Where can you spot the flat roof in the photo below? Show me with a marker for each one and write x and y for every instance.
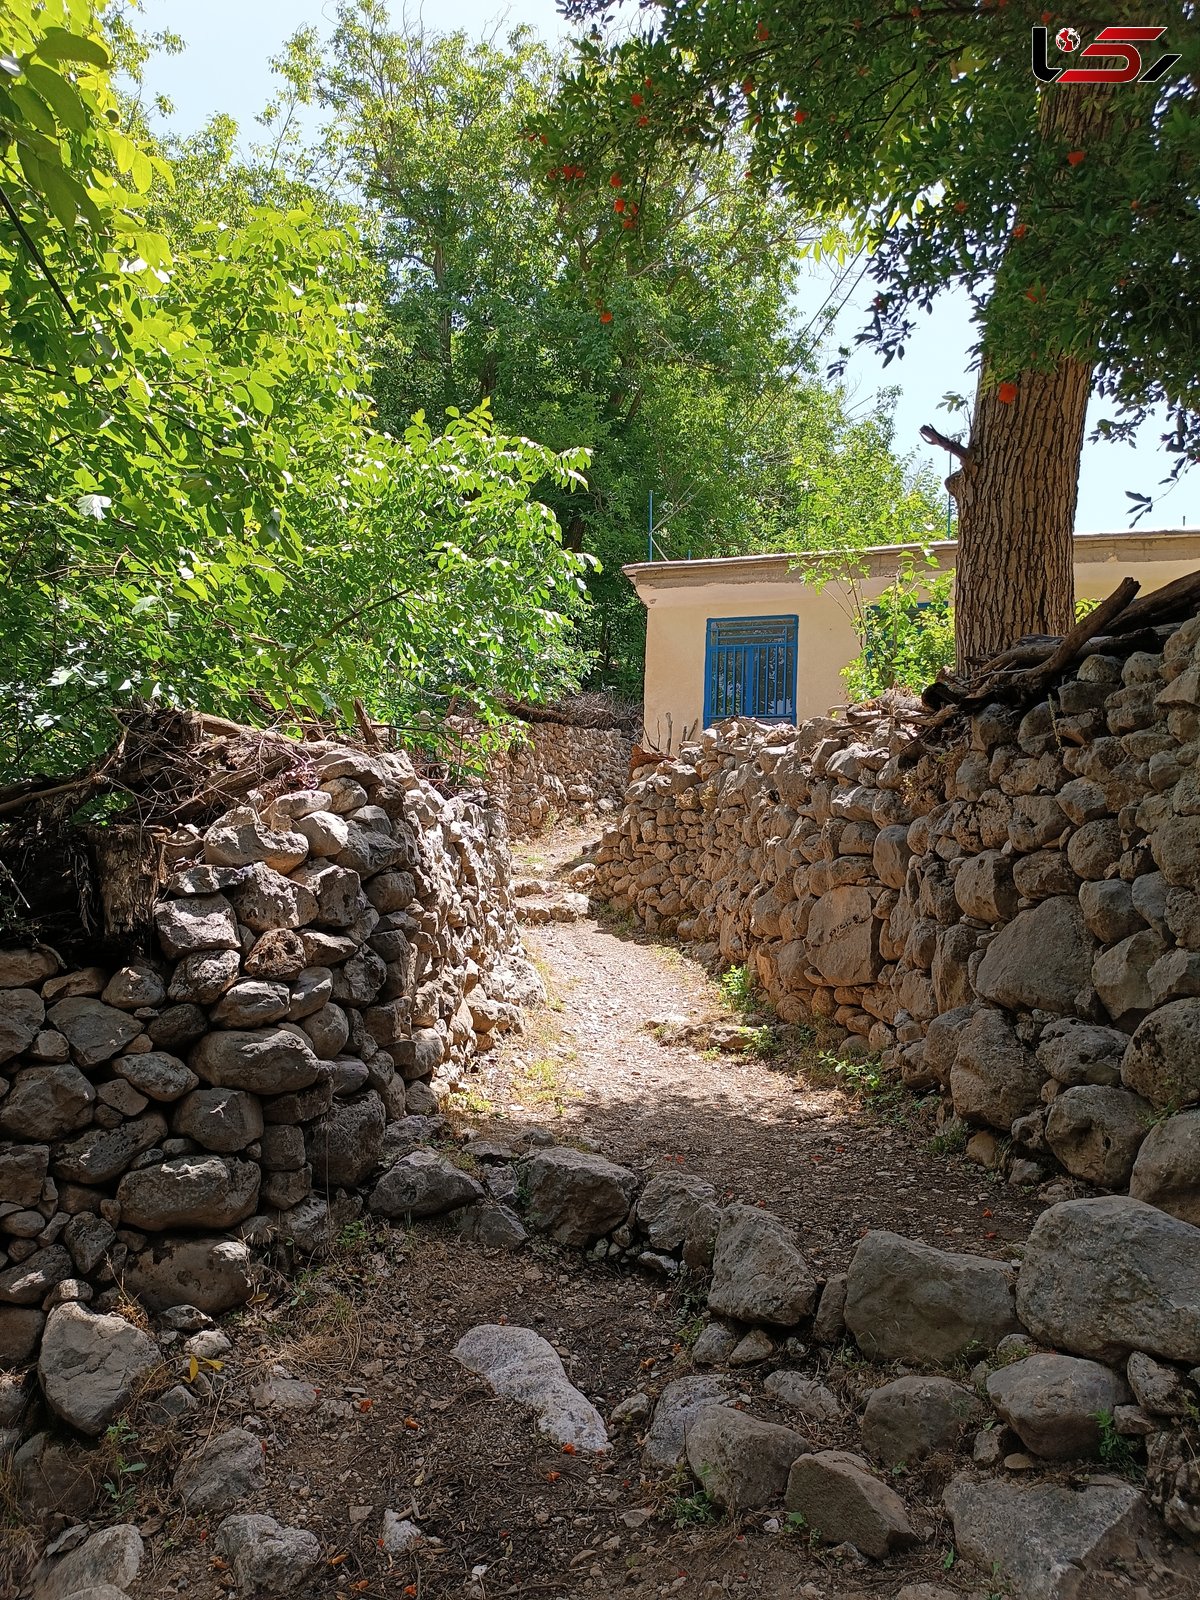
(1163, 544)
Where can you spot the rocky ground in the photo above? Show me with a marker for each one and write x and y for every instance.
(333, 1403)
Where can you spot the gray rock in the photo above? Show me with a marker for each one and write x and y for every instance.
(1096, 1132)
(225, 1469)
(177, 1027)
(252, 1003)
(30, 1281)
(759, 1271)
(20, 1334)
(751, 1348)
(680, 1403)
(495, 1227)
(715, 1345)
(204, 976)
(340, 900)
(914, 1417)
(1094, 847)
(344, 1147)
(829, 1324)
(22, 1013)
(1075, 1052)
(1108, 910)
(311, 992)
(110, 1557)
(265, 1557)
(91, 1367)
(156, 1074)
(100, 1154)
(47, 1102)
(328, 1029)
(1175, 846)
(240, 838)
(279, 953)
(268, 1062)
(189, 1192)
(265, 900)
(138, 984)
(1174, 976)
(222, 1120)
(740, 1462)
(423, 1185)
(842, 1503)
(1162, 1063)
(1052, 1403)
(994, 1079)
(205, 922)
(24, 969)
(666, 1206)
(23, 1171)
(984, 887)
(520, 1365)
(1045, 1541)
(576, 1196)
(809, 1399)
(1121, 975)
(1014, 971)
(1166, 1173)
(1104, 1277)
(399, 1536)
(1158, 1388)
(906, 1301)
(212, 1274)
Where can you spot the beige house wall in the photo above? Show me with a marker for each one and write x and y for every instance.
(681, 596)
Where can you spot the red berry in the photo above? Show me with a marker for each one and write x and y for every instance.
(1075, 156)
(1020, 231)
(747, 85)
(629, 223)
(1006, 393)
(618, 204)
(636, 99)
(960, 206)
(616, 181)
(606, 316)
(801, 116)
(643, 120)
(763, 31)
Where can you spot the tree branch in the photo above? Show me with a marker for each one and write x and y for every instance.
(955, 447)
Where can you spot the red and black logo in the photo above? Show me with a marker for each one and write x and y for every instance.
(1120, 44)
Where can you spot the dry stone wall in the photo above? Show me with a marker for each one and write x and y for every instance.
(559, 771)
(327, 957)
(1013, 920)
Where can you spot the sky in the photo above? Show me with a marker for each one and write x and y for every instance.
(225, 67)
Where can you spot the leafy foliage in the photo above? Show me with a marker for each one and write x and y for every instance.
(198, 503)
(906, 632)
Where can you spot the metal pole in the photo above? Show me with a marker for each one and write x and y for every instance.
(650, 557)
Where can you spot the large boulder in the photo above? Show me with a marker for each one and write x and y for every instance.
(209, 1273)
(1053, 1403)
(914, 1417)
(906, 1301)
(1043, 1540)
(994, 1079)
(90, 1367)
(841, 1502)
(760, 1273)
(109, 1558)
(1075, 1052)
(189, 1192)
(94, 1031)
(843, 936)
(575, 1196)
(22, 1013)
(266, 1061)
(678, 1407)
(240, 838)
(741, 1463)
(1095, 1132)
(520, 1365)
(1042, 960)
(344, 1145)
(1103, 1277)
(202, 922)
(1162, 1061)
(47, 1102)
(1166, 1173)
(424, 1185)
(223, 1120)
(666, 1206)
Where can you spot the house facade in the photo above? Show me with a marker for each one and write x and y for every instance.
(754, 635)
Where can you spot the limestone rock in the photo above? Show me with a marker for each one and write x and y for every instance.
(111, 1557)
(984, 887)
(576, 1196)
(759, 1271)
(204, 976)
(995, 1078)
(666, 1206)
(223, 1471)
(221, 1120)
(1166, 1173)
(914, 1417)
(22, 1012)
(240, 838)
(30, 1281)
(206, 922)
(424, 1185)
(90, 1366)
(680, 1403)
(1158, 1388)
(906, 1301)
(1121, 975)
(810, 1400)
(1014, 971)
(211, 1274)
(1103, 1277)
(1052, 1403)
(1075, 1052)
(520, 1365)
(267, 1062)
(189, 1192)
(344, 1146)
(138, 984)
(842, 1503)
(1096, 1133)
(1162, 1063)
(1045, 1541)
(265, 1557)
(157, 1074)
(740, 1462)
(843, 936)
(101, 1154)
(25, 969)
(47, 1102)
(252, 1003)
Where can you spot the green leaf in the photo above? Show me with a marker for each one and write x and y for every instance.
(57, 44)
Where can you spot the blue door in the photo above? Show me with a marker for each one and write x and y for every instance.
(750, 669)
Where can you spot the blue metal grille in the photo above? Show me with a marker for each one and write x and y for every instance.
(750, 669)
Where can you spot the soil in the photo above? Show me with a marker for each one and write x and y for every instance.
(400, 1425)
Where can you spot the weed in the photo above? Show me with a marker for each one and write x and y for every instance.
(693, 1510)
(737, 987)
(471, 1102)
(763, 1043)
(1116, 1450)
(354, 1239)
(795, 1522)
(689, 1330)
(949, 1557)
(120, 1483)
(950, 1140)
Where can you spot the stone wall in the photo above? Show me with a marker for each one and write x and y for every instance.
(1012, 919)
(324, 955)
(559, 771)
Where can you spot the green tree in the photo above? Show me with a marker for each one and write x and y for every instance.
(1068, 213)
(685, 375)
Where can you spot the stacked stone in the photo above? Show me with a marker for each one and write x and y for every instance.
(559, 771)
(325, 955)
(1014, 920)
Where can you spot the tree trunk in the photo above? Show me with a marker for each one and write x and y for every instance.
(1016, 495)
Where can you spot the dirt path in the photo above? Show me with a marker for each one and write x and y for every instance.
(782, 1132)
